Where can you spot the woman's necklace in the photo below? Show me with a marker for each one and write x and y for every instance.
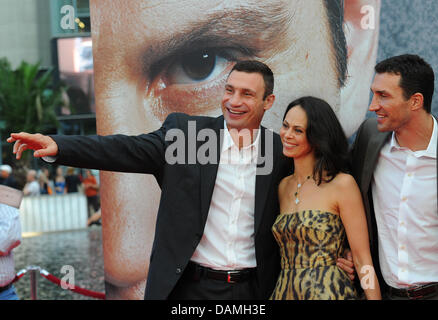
(299, 185)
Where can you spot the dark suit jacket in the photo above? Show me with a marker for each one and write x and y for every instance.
(365, 155)
(186, 194)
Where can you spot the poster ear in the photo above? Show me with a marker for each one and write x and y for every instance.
(361, 28)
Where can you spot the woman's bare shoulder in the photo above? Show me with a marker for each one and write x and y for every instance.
(344, 180)
(344, 183)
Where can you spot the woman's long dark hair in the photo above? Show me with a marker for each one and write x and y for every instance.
(325, 136)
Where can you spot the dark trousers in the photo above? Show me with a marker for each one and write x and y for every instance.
(190, 287)
(394, 297)
(94, 202)
(427, 292)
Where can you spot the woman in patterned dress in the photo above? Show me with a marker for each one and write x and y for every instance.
(320, 206)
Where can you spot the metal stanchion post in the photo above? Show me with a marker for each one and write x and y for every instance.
(33, 270)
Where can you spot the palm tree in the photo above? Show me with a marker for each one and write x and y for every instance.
(28, 99)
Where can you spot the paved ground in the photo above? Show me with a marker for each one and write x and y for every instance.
(51, 251)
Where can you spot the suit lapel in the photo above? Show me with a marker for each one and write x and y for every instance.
(377, 141)
(208, 172)
(263, 181)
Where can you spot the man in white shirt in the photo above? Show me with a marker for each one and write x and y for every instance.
(395, 164)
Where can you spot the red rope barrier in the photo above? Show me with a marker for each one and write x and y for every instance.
(19, 275)
(82, 291)
(57, 281)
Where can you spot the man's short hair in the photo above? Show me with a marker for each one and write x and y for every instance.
(416, 76)
(253, 66)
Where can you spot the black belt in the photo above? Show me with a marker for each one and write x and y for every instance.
(415, 292)
(197, 271)
(5, 287)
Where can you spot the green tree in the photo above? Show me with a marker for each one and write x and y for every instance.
(28, 99)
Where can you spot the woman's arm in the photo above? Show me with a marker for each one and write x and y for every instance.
(352, 213)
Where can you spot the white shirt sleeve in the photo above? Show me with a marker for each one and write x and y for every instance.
(50, 159)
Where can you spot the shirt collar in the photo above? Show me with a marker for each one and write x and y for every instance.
(229, 143)
(431, 148)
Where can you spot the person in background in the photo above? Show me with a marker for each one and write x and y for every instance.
(6, 177)
(46, 186)
(32, 187)
(5, 171)
(95, 219)
(60, 182)
(72, 181)
(91, 189)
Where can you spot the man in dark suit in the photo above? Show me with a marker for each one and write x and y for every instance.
(394, 162)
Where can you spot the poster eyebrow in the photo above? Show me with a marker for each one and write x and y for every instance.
(247, 29)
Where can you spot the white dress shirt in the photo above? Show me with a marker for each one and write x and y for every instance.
(228, 239)
(404, 192)
(10, 234)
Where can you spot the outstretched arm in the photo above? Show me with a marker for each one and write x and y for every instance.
(138, 154)
(144, 153)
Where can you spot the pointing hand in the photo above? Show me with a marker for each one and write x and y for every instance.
(43, 145)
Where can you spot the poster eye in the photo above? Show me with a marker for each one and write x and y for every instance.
(197, 66)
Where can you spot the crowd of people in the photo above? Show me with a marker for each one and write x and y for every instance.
(44, 183)
(63, 181)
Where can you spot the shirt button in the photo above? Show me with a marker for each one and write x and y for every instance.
(409, 174)
(404, 199)
(178, 270)
(402, 247)
(402, 223)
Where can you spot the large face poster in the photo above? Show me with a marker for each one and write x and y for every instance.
(154, 57)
